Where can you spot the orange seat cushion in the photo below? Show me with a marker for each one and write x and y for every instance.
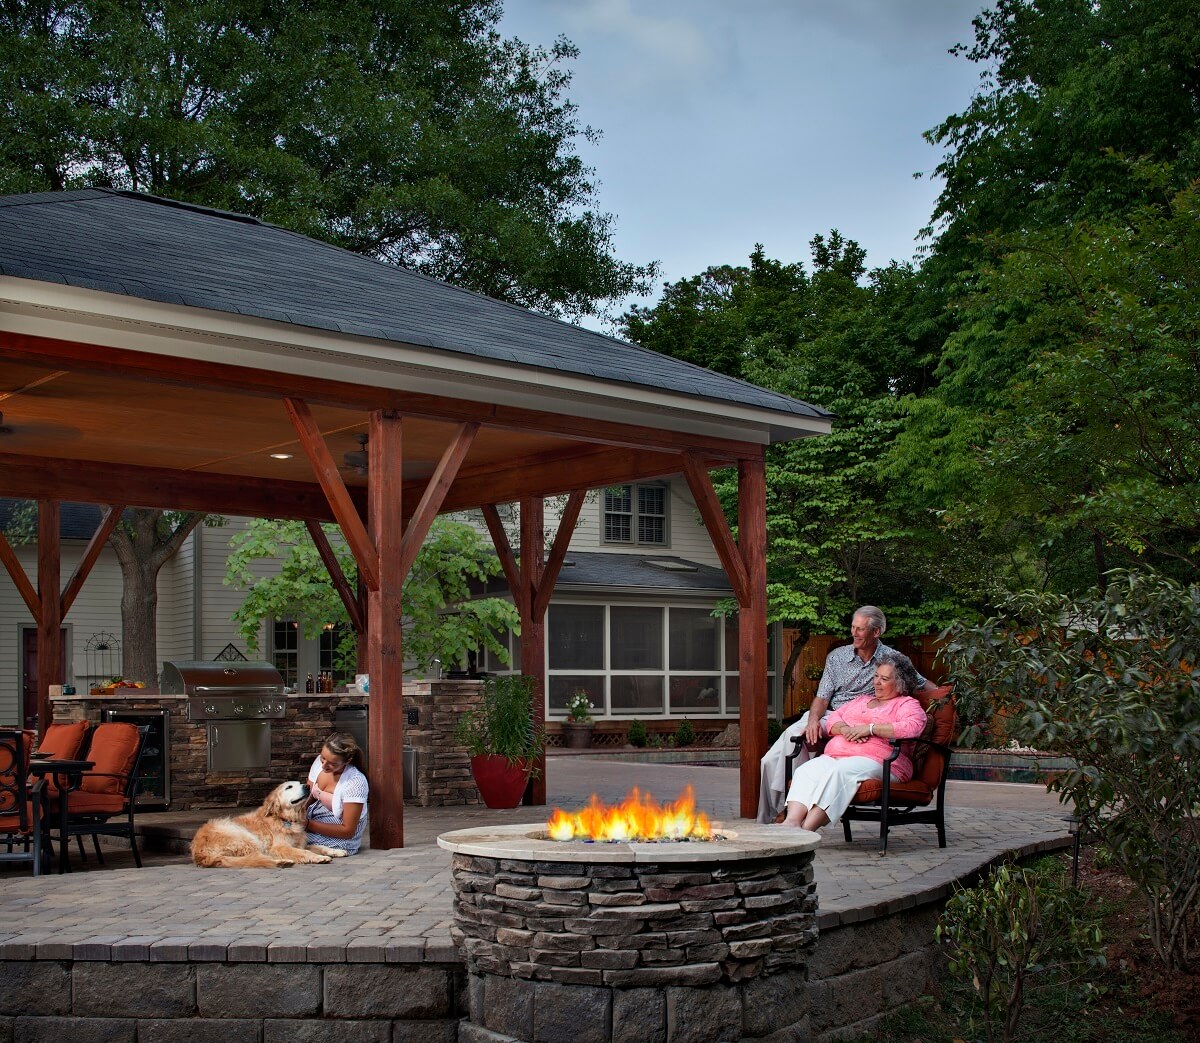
(911, 792)
(64, 740)
(83, 802)
(113, 750)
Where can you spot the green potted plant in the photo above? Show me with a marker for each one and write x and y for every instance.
(502, 740)
(579, 724)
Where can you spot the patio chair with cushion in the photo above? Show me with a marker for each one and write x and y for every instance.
(105, 801)
(21, 818)
(65, 741)
(922, 799)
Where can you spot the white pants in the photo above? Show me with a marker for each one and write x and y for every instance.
(829, 783)
(773, 769)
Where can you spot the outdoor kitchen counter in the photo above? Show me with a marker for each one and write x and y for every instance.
(432, 711)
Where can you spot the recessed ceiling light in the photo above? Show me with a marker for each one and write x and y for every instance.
(281, 456)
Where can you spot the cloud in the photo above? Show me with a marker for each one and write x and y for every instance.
(645, 48)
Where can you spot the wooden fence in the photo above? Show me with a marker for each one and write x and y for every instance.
(921, 650)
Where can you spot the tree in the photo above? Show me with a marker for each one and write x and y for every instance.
(1111, 677)
(851, 342)
(1086, 124)
(452, 556)
(144, 541)
(401, 129)
(1086, 110)
(406, 130)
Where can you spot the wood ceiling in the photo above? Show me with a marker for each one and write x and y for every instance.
(101, 425)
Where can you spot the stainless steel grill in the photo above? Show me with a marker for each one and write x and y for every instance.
(237, 702)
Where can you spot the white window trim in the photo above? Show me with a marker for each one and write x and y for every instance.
(634, 528)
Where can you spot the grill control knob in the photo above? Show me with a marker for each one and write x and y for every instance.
(239, 709)
(210, 708)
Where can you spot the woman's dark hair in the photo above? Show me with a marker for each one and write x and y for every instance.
(344, 745)
(906, 674)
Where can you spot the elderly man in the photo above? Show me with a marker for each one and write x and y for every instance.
(849, 673)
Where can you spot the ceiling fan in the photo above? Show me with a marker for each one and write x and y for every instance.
(14, 433)
(356, 460)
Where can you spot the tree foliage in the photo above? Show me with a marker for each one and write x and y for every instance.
(853, 343)
(440, 620)
(406, 130)
(1112, 678)
(1062, 259)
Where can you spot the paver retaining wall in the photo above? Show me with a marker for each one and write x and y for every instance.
(48, 1001)
(857, 973)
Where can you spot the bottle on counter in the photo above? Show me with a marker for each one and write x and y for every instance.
(308, 685)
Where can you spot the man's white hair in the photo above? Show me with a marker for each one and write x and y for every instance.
(874, 616)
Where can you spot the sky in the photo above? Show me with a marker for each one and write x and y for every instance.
(726, 123)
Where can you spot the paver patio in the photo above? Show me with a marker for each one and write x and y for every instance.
(395, 906)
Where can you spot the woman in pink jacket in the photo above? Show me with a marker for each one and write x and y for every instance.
(861, 734)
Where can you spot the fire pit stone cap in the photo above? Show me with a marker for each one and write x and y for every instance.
(527, 842)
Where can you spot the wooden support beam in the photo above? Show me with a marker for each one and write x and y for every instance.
(718, 528)
(17, 571)
(508, 560)
(385, 651)
(558, 553)
(435, 493)
(752, 628)
(562, 472)
(108, 522)
(49, 651)
(533, 629)
(336, 575)
(88, 481)
(326, 472)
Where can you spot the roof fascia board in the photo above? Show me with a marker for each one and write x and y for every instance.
(112, 320)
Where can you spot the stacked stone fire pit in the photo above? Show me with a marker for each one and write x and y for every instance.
(587, 942)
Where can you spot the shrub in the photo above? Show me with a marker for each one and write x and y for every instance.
(685, 734)
(503, 722)
(774, 730)
(636, 734)
(1018, 930)
(1113, 679)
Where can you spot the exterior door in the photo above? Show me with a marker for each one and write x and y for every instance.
(29, 672)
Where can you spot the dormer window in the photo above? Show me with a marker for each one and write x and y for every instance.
(636, 514)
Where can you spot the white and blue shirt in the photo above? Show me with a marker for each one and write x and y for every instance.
(350, 788)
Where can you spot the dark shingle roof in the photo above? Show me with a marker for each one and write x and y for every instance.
(160, 250)
(597, 569)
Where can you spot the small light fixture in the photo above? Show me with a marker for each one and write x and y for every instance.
(281, 456)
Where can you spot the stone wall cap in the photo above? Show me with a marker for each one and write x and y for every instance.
(527, 842)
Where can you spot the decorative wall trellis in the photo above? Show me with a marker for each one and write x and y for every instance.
(102, 656)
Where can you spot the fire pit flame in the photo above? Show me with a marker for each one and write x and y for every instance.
(638, 817)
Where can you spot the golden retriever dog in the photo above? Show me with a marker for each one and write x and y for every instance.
(270, 837)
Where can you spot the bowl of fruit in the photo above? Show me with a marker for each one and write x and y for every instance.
(114, 685)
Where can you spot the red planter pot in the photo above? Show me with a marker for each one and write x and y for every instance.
(501, 783)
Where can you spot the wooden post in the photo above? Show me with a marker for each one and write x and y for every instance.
(385, 655)
(533, 625)
(49, 651)
(752, 627)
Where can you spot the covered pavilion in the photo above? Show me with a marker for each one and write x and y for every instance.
(163, 355)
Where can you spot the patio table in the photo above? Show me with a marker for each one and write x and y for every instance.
(68, 777)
